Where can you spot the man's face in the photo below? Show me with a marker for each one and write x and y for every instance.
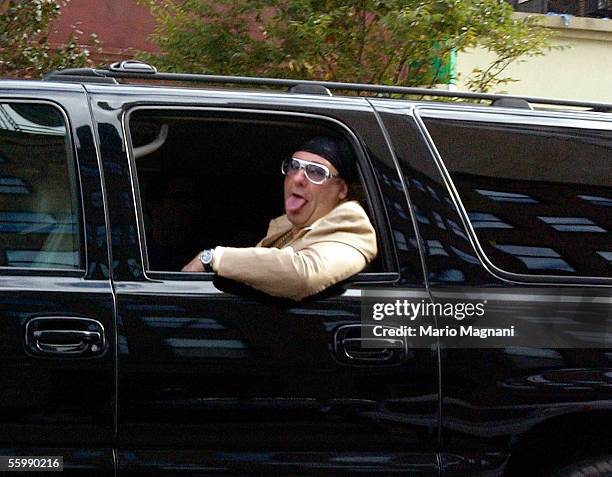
(306, 202)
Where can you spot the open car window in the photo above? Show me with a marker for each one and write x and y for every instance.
(208, 178)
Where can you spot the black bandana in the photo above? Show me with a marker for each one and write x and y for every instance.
(335, 151)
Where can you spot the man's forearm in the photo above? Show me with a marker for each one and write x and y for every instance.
(289, 274)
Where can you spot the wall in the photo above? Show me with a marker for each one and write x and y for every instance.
(121, 25)
(581, 71)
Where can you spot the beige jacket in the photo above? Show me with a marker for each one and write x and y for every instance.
(332, 249)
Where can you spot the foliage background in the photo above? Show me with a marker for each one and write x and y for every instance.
(24, 48)
(395, 42)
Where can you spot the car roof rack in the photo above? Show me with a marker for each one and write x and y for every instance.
(310, 89)
(518, 103)
(80, 75)
(133, 69)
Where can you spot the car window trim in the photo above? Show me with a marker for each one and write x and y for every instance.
(374, 196)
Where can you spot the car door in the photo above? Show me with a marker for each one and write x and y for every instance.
(214, 382)
(56, 304)
(515, 217)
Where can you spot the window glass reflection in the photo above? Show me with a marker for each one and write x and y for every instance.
(400, 240)
(487, 221)
(593, 199)
(507, 196)
(420, 216)
(39, 224)
(438, 219)
(466, 257)
(12, 185)
(606, 255)
(542, 190)
(435, 247)
(400, 210)
(572, 224)
(537, 258)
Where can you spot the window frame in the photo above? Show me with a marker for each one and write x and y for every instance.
(75, 181)
(505, 117)
(390, 273)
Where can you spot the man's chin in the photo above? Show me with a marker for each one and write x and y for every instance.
(297, 220)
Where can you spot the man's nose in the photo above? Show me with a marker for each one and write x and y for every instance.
(300, 176)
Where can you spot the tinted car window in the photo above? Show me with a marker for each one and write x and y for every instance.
(39, 226)
(539, 197)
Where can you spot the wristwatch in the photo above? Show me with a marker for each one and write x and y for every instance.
(206, 257)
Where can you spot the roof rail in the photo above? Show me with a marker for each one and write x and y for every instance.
(310, 89)
(132, 66)
(80, 75)
(137, 70)
(512, 103)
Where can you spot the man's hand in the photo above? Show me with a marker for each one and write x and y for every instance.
(194, 266)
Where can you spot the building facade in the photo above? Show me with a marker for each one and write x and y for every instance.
(581, 8)
(581, 70)
(122, 26)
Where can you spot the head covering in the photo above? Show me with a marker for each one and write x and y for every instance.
(335, 151)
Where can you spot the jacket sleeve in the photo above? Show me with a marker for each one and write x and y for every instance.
(290, 274)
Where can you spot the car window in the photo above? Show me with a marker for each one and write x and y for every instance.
(39, 213)
(209, 178)
(538, 195)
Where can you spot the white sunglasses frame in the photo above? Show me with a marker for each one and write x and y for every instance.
(303, 164)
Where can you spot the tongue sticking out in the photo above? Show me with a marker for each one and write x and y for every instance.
(294, 203)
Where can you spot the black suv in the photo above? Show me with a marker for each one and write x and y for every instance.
(116, 361)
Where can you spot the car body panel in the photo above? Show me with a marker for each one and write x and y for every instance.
(495, 398)
(206, 374)
(54, 405)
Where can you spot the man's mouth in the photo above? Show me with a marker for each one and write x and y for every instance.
(294, 203)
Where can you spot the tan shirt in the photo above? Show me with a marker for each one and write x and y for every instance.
(332, 249)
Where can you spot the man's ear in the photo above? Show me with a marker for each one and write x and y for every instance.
(343, 193)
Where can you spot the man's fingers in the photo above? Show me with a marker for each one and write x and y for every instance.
(194, 266)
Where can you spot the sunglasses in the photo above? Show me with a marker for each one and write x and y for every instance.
(315, 173)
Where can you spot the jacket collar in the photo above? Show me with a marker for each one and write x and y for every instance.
(281, 225)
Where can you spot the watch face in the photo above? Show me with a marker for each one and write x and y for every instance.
(206, 257)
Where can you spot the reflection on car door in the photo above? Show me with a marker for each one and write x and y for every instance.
(211, 382)
(56, 305)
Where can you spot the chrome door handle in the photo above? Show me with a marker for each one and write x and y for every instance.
(370, 349)
(66, 341)
(65, 336)
(354, 345)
